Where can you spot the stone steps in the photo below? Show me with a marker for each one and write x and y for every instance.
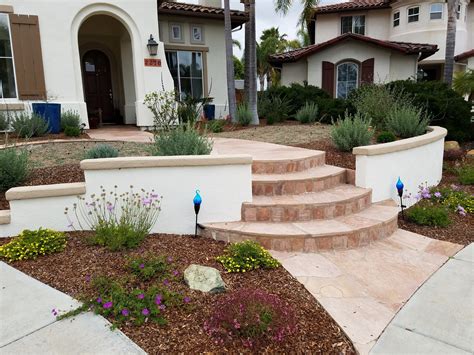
(310, 180)
(352, 231)
(338, 201)
(306, 159)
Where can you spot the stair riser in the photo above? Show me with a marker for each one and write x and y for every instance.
(308, 244)
(304, 212)
(290, 166)
(296, 187)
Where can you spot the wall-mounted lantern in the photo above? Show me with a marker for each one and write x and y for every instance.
(152, 46)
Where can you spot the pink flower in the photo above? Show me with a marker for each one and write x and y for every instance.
(141, 296)
(437, 194)
(108, 305)
(145, 312)
(125, 312)
(158, 299)
(175, 273)
(166, 282)
(141, 266)
(54, 311)
(99, 300)
(187, 299)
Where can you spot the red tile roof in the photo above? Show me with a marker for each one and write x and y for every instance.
(353, 5)
(179, 8)
(464, 55)
(404, 47)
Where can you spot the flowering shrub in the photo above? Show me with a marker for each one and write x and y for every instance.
(352, 131)
(253, 316)
(452, 197)
(119, 221)
(149, 267)
(30, 244)
(164, 107)
(246, 256)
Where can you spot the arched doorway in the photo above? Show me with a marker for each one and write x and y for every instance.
(98, 90)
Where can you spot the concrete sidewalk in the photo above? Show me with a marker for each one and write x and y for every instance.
(28, 326)
(439, 318)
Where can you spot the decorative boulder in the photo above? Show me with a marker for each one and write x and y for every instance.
(451, 145)
(470, 155)
(204, 278)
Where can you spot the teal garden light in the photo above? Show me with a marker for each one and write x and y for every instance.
(197, 206)
(400, 187)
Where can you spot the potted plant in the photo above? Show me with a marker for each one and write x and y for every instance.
(51, 112)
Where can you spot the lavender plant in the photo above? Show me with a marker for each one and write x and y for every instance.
(120, 221)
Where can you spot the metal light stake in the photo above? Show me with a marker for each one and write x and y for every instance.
(197, 206)
(400, 187)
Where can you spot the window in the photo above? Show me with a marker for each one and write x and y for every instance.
(187, 71)
(436, 11)
(7, 69)
(353, 24)
(347, 79)
(413, 14)
(176, 32)
(196, 35)
(396, 19)
(458, 12)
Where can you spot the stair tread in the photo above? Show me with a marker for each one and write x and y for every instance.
(336, 194)
(372, 216)
(316, 172)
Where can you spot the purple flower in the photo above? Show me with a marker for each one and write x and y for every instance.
(158, 299)
(146, 201)
(162, 307)
(141, 296)
(187, 299)
(99, 300)
(170, 259)
(437, 194)
(141, 266)
(155, 196)
(110, 207)
(125, 312)
(145, 312)
(461, 210)
(88, 278)
(175, 273)
(108, 305)
(54, 311)
(166, 282)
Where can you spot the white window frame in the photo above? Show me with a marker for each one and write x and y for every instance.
(353, 24)
(171, 33)
(191, 35)
(396, 19)
(337, 75)
(436, 12)
(16, 98)
(413, 15)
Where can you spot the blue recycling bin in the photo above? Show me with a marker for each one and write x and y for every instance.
(51, 113)
(210, 112)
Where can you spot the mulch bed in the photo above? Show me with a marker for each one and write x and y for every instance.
(333, 155)
(12, 138)
(317, 332)
(60, 174)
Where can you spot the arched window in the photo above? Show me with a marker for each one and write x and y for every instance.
(347, 79)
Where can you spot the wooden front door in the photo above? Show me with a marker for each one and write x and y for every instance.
(98, 86)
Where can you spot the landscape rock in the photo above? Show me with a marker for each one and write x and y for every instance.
(451, 145)
(204, 278)
(470, 155)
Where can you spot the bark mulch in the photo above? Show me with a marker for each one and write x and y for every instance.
(60, 174)
(67, 271)
(333, 155)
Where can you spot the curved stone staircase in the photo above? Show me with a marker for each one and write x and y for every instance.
(302, 204)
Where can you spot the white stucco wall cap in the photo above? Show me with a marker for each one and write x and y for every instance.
(434, 133)
(169, 161)
(29, 192)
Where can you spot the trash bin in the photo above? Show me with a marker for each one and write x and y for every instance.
(51, 113)
(210, 112)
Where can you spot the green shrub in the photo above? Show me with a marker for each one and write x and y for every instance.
(102, 151)
(183, 140)
(27, 125)
(308, 113)
(427, 214)
(352, 131)
(406, 120)
(149, 267)
(31, 244)
(14, 167)
(279, 110)
(466, 175)
(244, 115)
(246, 256)
(4, 121)
(70, 119)
(216, 126)
(330, 109)
(445, 107)
(385, 137)
(72, 131)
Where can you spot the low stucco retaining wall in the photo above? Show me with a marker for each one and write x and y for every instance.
(417, 160)
(225, 182)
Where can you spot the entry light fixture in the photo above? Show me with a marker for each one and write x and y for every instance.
(152, 46)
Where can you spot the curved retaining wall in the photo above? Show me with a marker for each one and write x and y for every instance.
(417, 160)
(225, 182)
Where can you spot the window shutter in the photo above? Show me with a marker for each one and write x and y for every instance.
(28, 57)
(367, 75)
(327, 82)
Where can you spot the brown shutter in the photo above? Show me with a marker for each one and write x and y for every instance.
(367, 74)
(327, 82)
(28, 57)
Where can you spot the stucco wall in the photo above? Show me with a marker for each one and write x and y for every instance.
(214, 55)
(294, 72)
(417, 161)
(59, 25)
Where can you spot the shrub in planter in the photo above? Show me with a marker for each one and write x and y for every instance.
(72, 131)
(352, 131)
(70, 119)
(308, 113)
(428, 214)
(246, 256)
(102, 151)
(386, 137)
(31, 244)
(244, 115)
(27, 125)
(14, 167)
(254, 317)
(119, 221)
(183, 140)
(406, 120)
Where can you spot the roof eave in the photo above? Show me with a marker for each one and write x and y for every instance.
(235, 20)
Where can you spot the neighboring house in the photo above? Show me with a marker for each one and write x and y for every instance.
(377, 40)
(92, 56)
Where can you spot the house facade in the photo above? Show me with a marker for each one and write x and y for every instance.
(92, 57)
(378, 40)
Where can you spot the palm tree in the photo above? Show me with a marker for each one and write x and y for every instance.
(283, 6)
(229, 62)
(450, 41)
(463, 83)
